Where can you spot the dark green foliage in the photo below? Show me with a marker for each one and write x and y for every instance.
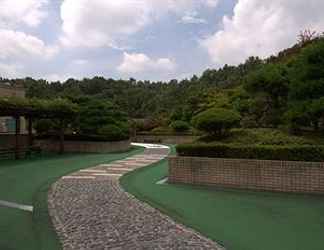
(114, 132)
(307, 73)
(306, 95)
(216, 121)
(270, 86)
(180, 126)
(161, 131)
(54, 107)
(261, 152)
(271, 80)
(261, 136)
(265, 92)
(43, 126)
(101, 117)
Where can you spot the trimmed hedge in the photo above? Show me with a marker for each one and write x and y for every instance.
(261, 152)
(88, 138)
(180, 126)
(216, 121)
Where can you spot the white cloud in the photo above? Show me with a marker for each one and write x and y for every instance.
(99, 23)
(29, 12)
(212, 3)
(10, 70)
(192, 17)
(80, 62)
(263, 28)
(60, 77)
(138, 63)
(18, 45)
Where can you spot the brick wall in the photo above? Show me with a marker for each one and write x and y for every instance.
(9, 141)
(84, 146)
(282, 176)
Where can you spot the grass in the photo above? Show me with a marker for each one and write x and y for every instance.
(27, 182)
(239, 220)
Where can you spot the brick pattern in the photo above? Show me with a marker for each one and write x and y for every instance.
(280, 176)
(8, 141)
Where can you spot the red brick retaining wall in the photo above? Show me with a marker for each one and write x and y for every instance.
(9, 141)
(283, 176)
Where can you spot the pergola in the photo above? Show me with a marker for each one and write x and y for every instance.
(31, 113)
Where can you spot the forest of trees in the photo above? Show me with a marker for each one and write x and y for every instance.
(283, 90)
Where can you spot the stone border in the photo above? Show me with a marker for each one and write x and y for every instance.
(279, 176)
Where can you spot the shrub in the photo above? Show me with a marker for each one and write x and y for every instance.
(161, 130)
(216, 121)
(180, 126)
(80, 137)
(43, 126)
(261, 152)
(113, 132)
(261, 136)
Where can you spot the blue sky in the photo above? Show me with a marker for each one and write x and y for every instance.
(145, 39)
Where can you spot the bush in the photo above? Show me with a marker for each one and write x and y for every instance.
(261, 136)
(43, 126)
(81, 137)
(216, 121)
(284, 153)
(180, 126)
(161, 130)
(114, 132)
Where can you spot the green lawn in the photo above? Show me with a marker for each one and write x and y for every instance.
(27, 182)
(240, 220)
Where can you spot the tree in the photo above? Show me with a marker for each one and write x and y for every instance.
(306, 95)
(97, 114)
(270, 85)
(180, 126)
(307, 73)
(216, 121)
(306, 36)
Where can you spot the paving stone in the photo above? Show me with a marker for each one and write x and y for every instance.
(97, 214)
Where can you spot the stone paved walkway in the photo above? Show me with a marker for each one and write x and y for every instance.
(90, 210)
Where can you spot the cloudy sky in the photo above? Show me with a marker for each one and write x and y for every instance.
(145, 39)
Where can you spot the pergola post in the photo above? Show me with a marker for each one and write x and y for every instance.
(17, 135)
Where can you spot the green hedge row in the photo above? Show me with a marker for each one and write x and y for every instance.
(88, 138)
(284, 153)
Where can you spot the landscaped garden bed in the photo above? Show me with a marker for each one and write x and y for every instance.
(261, 159)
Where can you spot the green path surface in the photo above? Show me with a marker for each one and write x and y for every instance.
(27, 182)
(239, 220)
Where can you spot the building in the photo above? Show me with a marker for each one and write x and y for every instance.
(7, 124)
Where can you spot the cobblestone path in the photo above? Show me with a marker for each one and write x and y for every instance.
(90, 210)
